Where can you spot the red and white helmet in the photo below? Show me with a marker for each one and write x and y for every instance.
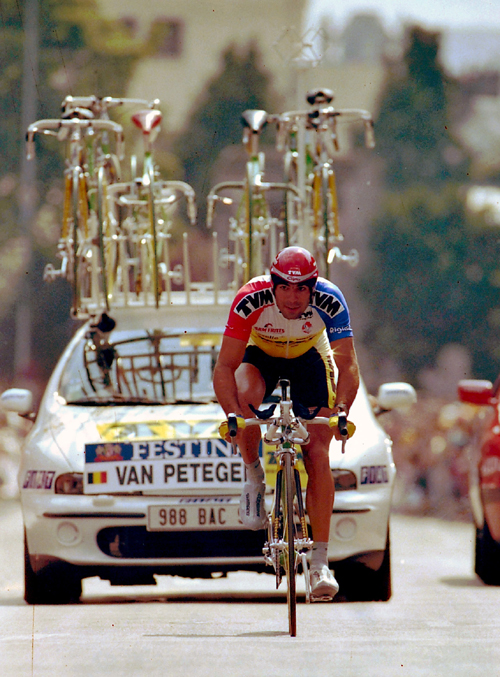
(295, 265)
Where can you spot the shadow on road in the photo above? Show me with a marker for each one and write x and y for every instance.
(462, 582)
(192, 597)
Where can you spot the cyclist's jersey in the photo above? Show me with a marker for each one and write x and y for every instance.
(255, 318)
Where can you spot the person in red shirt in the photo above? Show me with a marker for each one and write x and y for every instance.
(290, 324)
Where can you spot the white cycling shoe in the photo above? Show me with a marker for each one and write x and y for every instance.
(324, 587)
(252, 508)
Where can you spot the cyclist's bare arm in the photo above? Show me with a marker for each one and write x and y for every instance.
(346, 360)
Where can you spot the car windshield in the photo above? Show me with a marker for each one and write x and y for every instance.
(141, 367)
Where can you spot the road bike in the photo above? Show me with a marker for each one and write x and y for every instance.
(310, 141)
(256, 235)
(142, 210)
(114, 235)
(91, 166)
(288, 540)
(89, 159)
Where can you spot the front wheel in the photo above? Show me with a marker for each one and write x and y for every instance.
(290, 568)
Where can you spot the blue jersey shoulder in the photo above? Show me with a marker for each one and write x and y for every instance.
(330, 304)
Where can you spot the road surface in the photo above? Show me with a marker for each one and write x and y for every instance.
(441, 621)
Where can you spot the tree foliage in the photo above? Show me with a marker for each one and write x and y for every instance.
(413, 134)
(434, 279)
(215, 122)
(433, 275)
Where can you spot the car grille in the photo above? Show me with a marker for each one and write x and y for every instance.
(135, 542)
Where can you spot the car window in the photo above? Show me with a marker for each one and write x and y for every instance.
(141, 367)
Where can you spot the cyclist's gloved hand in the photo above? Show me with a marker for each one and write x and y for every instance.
(229, 429)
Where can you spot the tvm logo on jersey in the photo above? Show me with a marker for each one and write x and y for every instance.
(328, 303)
(254, 301)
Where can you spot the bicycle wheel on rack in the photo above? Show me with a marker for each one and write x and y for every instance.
(79, 211)
(250, 208)
(289, 533)
(149, 176)
(291, 220)
(105, 242)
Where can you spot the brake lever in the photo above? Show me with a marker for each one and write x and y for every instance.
(232, 426)
(342, 426)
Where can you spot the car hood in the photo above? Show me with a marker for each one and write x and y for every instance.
(71, 427)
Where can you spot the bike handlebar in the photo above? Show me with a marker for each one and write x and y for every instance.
(297, 430)
(327, 115)
(100, 106)
(54, 127)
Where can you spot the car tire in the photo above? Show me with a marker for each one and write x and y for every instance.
(487, 557)
(358, 583)
(57, 583)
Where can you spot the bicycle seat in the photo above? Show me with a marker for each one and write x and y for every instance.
(147, 119)
(255, 120)
(319, 96)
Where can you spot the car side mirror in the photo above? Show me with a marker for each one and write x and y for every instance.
(475, 391)
(18, 400)
(395, 396)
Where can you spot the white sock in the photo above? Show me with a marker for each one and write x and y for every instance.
(319, 556)
(254, 472)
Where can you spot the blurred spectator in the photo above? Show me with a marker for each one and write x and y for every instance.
(430, 455)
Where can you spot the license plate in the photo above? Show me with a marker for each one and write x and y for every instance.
(192, 517)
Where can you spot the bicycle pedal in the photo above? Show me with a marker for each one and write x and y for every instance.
(321, 598)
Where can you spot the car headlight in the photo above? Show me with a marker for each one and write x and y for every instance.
(69, 483)
(345, 480)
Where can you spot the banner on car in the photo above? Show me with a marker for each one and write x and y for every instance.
(145, 465)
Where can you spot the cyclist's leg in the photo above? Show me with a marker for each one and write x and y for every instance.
(251, 389)
(252, 508)
(256, 378)
(315, 390)
(320, 484)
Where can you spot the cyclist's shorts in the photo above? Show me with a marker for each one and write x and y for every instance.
(311, 376)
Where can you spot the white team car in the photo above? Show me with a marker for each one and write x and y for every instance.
(124, 475)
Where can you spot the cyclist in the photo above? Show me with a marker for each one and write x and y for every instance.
(290, 324)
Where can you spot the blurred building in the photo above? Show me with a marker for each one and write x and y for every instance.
(194, 34)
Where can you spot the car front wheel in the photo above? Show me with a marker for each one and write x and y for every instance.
(358, 583)
(57, 583)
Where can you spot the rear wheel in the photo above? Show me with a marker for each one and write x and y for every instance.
(290, 568)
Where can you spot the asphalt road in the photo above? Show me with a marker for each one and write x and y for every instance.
(440, 621)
